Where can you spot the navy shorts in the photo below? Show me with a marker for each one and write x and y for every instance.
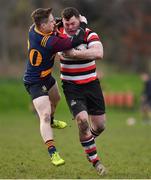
(86, 97)
(40, 88)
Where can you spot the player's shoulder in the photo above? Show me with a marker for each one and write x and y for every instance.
(33, 35)
(40, 38)
(89, 32)
(90, 35)
(31, 28)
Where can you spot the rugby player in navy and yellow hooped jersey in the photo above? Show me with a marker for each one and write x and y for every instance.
(43, 44)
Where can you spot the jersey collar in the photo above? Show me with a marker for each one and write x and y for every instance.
(39, 32)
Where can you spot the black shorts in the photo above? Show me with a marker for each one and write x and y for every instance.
(86, 97)
(40, 88)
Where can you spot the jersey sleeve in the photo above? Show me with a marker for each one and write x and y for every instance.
(57, 44)
(92, 38)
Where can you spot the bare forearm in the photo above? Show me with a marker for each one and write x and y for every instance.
(92, 53)
(88, 54)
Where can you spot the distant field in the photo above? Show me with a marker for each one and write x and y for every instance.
(125, 150)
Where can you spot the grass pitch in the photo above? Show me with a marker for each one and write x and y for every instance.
(124, 150)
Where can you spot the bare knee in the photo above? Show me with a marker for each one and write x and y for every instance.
(83, 127)
(45, 118)
(82, 120)
(82, 116)
(100, 128)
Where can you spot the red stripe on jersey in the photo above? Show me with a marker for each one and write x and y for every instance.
(73, 70)
(84, 81)
(90, 150)
(93, 38)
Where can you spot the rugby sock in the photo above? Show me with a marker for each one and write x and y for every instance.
(90, 150)
(51, 147)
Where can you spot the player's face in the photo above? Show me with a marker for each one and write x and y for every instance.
(50, 25)
(71, 26)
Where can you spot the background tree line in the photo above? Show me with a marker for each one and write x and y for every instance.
(123, 25)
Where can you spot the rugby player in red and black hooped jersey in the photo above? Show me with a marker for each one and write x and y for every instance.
(81, 85)
(43, 44)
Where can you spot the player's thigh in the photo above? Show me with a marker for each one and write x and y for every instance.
(74, 98)
(54, 93)
(95, 99)
(42, 105)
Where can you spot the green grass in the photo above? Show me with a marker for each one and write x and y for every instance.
(125, 150)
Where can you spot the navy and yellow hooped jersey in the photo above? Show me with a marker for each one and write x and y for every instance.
(41, 52)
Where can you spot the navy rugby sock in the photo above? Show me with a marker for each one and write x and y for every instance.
(51, 147)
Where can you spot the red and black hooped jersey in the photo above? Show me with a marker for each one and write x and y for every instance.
(80, 71)
(41, 52)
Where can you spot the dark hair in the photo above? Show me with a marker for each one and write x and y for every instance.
(69, 12)
(40, 16)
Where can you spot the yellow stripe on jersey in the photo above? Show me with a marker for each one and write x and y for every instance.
(45, 73)
(44, 41)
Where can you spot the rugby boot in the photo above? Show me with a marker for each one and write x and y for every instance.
(56, 159)
(58, 124)
(101, 170)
